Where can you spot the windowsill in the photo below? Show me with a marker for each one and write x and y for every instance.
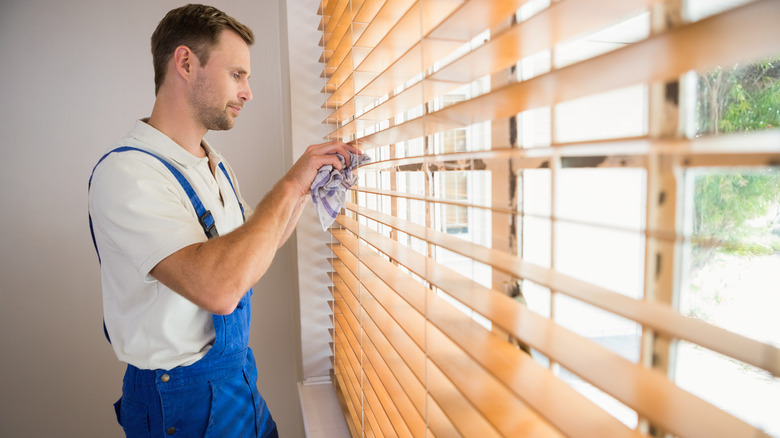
(322, 416)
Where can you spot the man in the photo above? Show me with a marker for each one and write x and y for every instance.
(177, 276)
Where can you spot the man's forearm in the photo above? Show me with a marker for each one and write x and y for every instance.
(215, 274)
(294, 218)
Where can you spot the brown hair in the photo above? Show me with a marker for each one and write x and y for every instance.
(195, 26)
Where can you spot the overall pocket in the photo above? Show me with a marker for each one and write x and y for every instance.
(232, 408)
(133, 417)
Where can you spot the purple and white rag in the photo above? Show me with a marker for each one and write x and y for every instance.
(329, 189)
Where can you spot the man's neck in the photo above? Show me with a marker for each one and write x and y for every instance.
(179, 126)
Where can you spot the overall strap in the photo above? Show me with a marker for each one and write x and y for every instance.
(204, 216)
(222, 166)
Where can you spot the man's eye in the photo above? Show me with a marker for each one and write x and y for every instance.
(236, 76)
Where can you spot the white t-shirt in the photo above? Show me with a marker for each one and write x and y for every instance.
(140, 215)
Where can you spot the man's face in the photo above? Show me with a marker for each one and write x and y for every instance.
(221, 87)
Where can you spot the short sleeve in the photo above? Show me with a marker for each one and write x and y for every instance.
(139, 211)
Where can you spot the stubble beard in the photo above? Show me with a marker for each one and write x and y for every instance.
(210, 116)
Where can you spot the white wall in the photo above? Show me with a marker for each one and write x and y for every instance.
(307, 128)
(74, 75)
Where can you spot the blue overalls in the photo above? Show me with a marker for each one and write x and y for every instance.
(216, 396)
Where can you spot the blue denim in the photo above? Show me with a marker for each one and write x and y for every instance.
(216, 396)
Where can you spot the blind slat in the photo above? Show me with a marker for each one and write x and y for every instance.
(746, 33)
(336, 21)
(392, 364)
(524, 376)
(411, 351)
(353, 401)
(646, 388)
(648, 313)
(339, 76)
(754, 148)
(406, 420)
(352, 420)
(399, 72)
(402, 35)
(384, 20)
(419, 20)
(504, 411)
(452, 402)
(560, 22)
(395, 416)
(462, 25)
(379, 349)
(411, 414)
(367, 11)
(330, 6)
(404, 347)
(353, 353)
(352, 373)
(473, 17)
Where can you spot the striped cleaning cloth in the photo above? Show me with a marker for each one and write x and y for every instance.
(329, 189)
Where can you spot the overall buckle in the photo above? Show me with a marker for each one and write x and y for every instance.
(208, 224)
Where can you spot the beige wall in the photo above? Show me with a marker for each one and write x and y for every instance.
(74, 75)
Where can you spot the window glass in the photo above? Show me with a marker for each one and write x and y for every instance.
(466, 188)
(695, 10)
(600, 214)
(534, 65)
(615, 114)
(531, 8)
(739, 98)
(535, 223)
(731, 255)
(535, 127)
(597, 237)
(620, 411)
(730, 272)
(611, 38)
(537, 297)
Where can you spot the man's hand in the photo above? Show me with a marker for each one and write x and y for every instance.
(302, 173)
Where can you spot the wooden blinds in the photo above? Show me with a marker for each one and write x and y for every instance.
(512, 262)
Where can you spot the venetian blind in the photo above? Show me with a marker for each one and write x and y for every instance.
(478, 115)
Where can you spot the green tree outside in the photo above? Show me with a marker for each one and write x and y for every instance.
(741, 99)
(736, 211)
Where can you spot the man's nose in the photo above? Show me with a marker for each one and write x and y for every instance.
(246, 93)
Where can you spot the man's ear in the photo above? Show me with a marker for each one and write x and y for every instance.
(184, 60)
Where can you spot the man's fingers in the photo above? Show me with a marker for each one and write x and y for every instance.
(335, 147)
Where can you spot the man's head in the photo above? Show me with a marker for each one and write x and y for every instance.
(196, 26)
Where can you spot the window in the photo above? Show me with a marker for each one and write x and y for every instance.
(729, 266)
(531, 247)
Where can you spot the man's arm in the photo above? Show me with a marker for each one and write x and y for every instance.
(215, 274)
(293, 222)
